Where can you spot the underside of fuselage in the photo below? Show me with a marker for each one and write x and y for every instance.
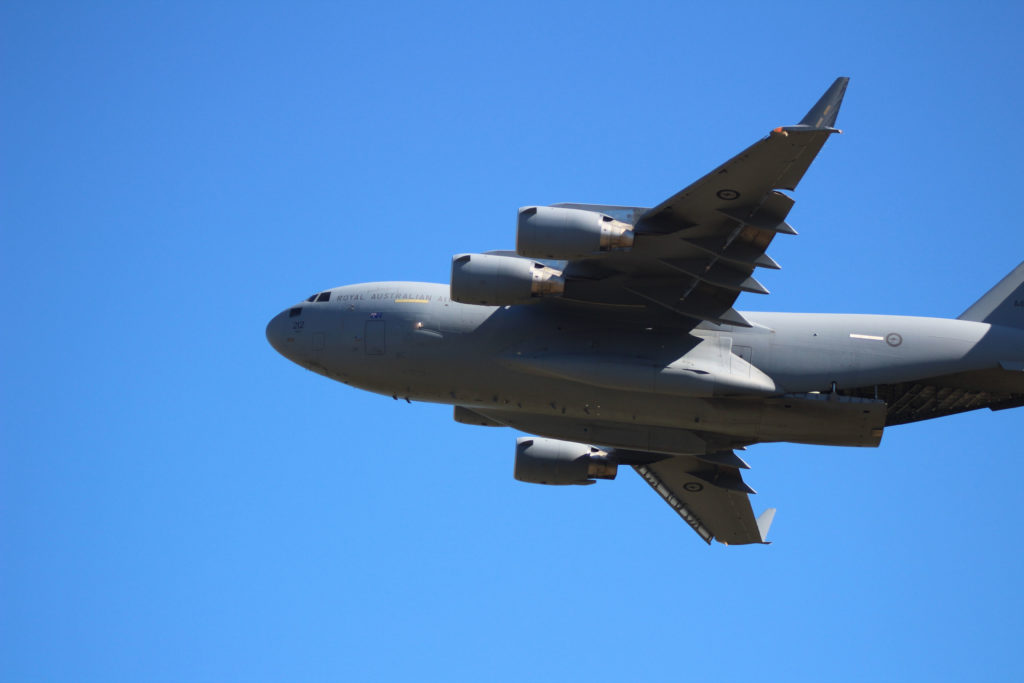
(834, 380)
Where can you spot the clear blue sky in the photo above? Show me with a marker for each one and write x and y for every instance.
(179, 503)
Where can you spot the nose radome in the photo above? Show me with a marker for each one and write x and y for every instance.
(277, 332)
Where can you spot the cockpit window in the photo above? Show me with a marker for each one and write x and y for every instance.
(324, 296)
(312, 298)
(295, 312)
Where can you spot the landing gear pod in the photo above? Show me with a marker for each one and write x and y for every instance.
(494, 280)
(559, 233)
(550, 461)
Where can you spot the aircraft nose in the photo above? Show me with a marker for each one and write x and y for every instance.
(277, 332)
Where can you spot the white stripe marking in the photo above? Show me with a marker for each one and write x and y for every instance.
(866, 336)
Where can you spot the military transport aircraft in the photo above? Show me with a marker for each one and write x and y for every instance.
(610, 335)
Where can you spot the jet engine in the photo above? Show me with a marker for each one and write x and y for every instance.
(496, 280)
(560, 233)
(550, 461)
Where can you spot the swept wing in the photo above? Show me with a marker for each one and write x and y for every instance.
(695, 252)
(707, 491)
(712, 499)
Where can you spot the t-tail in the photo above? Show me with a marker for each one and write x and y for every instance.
(1003, 304)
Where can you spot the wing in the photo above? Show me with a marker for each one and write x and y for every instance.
(705, 489)
(695, 252)
(711, 498)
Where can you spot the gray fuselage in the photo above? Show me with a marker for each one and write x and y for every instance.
(409, 340)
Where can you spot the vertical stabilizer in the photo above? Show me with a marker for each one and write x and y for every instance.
(1003, 304)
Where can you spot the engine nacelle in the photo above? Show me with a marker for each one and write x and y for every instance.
(559, 233)
(550, 461)
(495, 280)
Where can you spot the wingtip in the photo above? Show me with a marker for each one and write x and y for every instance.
(764, 523)
(823, 114)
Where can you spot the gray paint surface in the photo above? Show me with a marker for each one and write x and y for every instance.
(642, 355)
(469, 356)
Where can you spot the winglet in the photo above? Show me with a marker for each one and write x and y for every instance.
(823, 114)
(764, 522)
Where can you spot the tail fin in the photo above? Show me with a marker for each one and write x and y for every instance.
(1003, 304)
